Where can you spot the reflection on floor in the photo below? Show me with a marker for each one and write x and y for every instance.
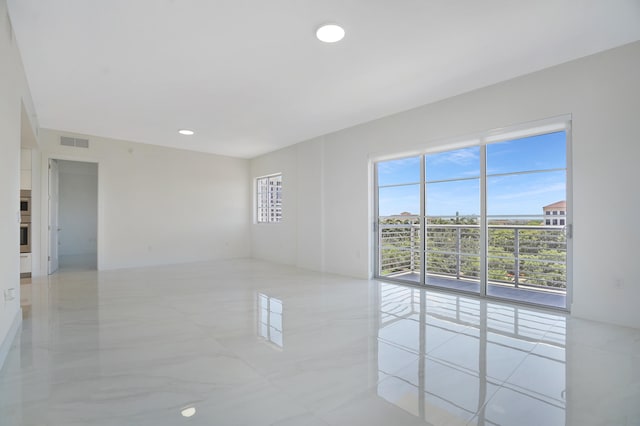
(252, 343)
(470, 359)
(78, 262)
(520, 294)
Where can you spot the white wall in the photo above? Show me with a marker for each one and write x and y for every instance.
(78, 209)
(14, 91)
(159, 205)
(299, 238)
(327, 181)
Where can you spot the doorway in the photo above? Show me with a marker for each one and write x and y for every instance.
(73, 215)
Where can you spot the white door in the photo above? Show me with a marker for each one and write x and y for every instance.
(53, 215)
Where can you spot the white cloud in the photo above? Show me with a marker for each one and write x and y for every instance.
(462, 157)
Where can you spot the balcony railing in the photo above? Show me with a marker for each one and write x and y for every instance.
(518, 255)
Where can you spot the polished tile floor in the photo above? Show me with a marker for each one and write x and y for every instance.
(251, 343)
(529, 295)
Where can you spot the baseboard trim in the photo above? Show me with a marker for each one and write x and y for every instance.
(5, 346)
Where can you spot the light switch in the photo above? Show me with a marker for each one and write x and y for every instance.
(9, 294)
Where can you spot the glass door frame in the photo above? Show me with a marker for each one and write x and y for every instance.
(529, 129)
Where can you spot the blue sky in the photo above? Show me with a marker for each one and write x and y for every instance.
(521, 194)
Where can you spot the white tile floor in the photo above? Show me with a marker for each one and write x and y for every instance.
(252, 343)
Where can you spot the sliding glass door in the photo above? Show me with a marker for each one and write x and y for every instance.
(399, 200)
(452, 194)
(527, 219)
(490, 219)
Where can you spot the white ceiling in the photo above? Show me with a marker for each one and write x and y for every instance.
(250, 77)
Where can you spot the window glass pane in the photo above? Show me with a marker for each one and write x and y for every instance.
(276, 337)
(455, 198)
(527, 249)
(524, 194)
(275, 320)
(400, 246)
(399, 200)
(453, 234)
(404, 170)
(264, 330)
(276, 306)
(458, 164)
(534, 153)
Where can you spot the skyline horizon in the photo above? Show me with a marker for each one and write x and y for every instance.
(522, 177)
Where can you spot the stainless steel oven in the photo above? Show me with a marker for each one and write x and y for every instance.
(25, 237)
(25, 204)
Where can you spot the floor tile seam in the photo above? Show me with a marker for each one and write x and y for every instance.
(266, 377)
(457, 367)
(395, 371)
(373, 390)
(291, 418)
(174, 381)
(470, 412)
(228, 352)
(492, 381)
(323, 414)
(398, 346)
(533, 394)
(529, 301)
(369, 388)
(291, 396)
(526, 352)
(547, 332)
(501, 385)
(448, 340)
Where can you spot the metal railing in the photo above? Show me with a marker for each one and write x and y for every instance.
(519, 255)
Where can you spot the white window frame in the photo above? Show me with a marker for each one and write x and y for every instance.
(482, 139)
(268, 203)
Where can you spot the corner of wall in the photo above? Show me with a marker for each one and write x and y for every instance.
(7, 343)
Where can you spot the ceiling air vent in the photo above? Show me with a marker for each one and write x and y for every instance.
(77, 142)
(82, 143)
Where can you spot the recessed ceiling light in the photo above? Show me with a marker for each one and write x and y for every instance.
(330, 33)
(188, 412)
(186, 132)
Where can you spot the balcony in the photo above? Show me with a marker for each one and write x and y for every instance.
(525, 262)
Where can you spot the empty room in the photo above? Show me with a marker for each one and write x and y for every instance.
(418, 212)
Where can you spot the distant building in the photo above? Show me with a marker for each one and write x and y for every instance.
(555, 214)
